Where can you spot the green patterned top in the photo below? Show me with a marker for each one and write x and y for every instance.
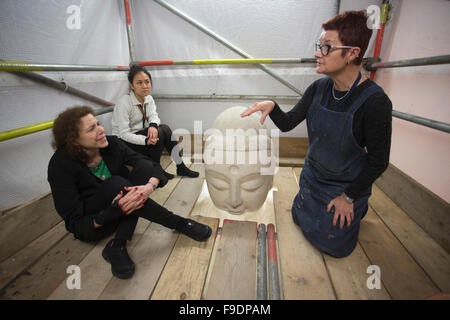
(101, 171)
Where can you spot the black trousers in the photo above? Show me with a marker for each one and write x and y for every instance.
(126, 224)
(154, 151)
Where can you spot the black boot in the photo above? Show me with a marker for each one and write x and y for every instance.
(182, 170)
(168, 175)
(195, 230)
(116, 254)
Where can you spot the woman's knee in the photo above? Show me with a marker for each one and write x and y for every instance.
(164, 131)
(114, 185)
(105, 194)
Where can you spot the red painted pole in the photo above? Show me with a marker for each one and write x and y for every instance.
(378, 43)
(129, 30)
(271, 243)
(384, 18)
(274, 284)
(127, 11)
(156, 63)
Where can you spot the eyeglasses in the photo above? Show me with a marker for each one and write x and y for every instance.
(325, 48)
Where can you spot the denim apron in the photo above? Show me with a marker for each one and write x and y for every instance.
(333, 162)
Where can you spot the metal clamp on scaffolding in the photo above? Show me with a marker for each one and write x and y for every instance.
(368, 62)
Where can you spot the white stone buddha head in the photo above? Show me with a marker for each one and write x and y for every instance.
(238, 160)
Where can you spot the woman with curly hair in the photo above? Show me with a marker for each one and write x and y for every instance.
(96, 194)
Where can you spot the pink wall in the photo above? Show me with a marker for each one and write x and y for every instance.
(419, 28)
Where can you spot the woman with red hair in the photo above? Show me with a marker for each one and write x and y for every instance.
(349, 121)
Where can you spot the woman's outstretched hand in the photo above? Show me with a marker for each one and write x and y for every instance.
(264, 106)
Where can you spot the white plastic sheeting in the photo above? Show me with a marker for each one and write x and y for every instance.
(48, 32)
(261, 28)
(36, 31)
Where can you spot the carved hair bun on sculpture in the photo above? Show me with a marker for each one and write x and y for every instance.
(237, 150)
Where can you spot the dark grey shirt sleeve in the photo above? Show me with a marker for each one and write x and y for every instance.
(372, 129)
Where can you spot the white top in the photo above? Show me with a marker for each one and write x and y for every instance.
(127, 119)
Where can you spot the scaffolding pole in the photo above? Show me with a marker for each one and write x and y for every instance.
(370, 64)
(36, 77)
(9, 134)
(225, 42)
(274, 284)
(19, 66)
(18, 132)
(261, 277)
(444, 59)
(441, 126)
(129, 30)
(225, 61)
(223, 97)
(384, 18)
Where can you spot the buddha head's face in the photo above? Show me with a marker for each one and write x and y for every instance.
(234, 155)
(237, 188)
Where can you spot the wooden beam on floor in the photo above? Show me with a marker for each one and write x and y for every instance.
(293, 147)
(428, 210)
(402, 277)
(17, 264)
(302, 268)
(233, 276)
(26, 223)
(297, 172)
(41, 279)
(184, 275)
(291, 162)
(349, 276)
(425, 250)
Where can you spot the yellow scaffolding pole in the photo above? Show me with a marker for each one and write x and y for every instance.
(18, 132)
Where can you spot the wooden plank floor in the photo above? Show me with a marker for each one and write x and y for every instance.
(303, 273)
(172, 266)
(412, 264)
(185, 273)
(233, 275)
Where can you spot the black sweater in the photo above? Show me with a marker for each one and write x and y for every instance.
(372, 127)
(72, 182)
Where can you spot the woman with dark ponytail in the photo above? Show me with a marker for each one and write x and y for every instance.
(136, 122)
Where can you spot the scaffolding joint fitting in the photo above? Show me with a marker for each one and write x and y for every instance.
(367, 63)
(385, 14)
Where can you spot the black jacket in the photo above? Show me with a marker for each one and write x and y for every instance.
(72, 182)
